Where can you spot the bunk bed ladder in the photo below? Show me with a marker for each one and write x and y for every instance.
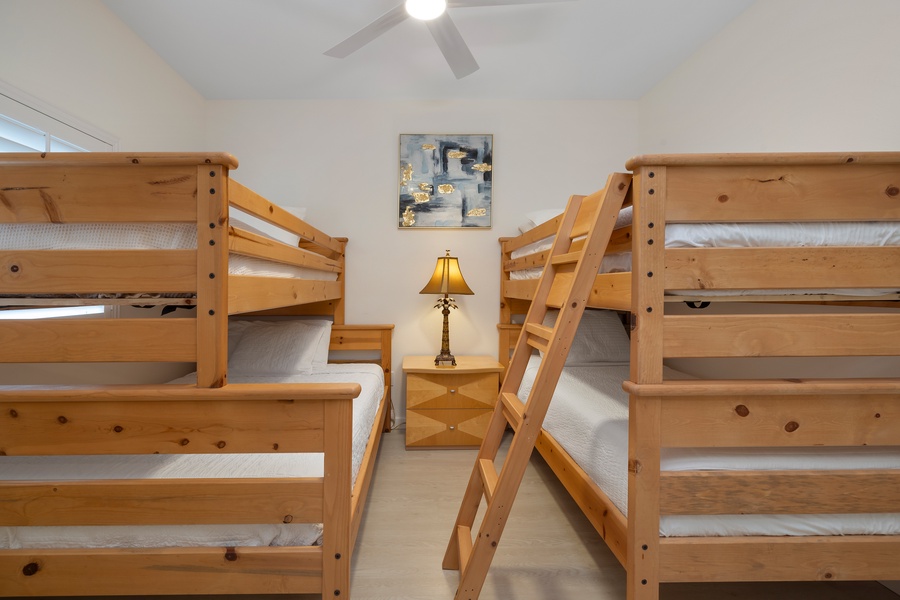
(565, 284)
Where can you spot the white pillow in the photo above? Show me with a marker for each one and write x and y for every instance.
(626, 216)
(320, 357)
(600, 338)
(235, 331)
(535, 218)
(280, 347)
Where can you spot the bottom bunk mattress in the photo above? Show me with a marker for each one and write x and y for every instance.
(33, 468)
(588, 417)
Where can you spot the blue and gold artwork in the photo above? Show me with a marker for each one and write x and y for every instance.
(445, 180)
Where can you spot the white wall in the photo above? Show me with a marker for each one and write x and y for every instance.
(79, 57)
(339, 159)
(787, 75)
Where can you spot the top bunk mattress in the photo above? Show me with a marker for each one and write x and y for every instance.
(146, 236)
(739, 235)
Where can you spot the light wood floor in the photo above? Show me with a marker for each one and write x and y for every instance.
(549, 550)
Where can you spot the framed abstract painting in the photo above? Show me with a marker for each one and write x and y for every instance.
(445, 181)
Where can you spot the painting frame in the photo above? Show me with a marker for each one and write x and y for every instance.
(445, 181)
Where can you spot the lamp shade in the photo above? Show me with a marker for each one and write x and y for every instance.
(447, 278)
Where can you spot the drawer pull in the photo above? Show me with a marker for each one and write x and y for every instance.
(452, 391)
(452, 427)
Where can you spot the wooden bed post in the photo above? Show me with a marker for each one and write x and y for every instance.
(642, 557)
(212, 276)
(336, 533)
(648, 280)
(342, 278)
(505, 311)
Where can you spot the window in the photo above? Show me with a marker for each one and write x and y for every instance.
(19, 137)
(51, 313)
(28, 125)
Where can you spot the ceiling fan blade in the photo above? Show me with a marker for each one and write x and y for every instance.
(466, 3)
(390, 19)
(452, 46)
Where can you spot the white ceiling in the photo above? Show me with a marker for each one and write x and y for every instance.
(273, 49)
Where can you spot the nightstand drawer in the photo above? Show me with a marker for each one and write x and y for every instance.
(449, 407)
(433, 390)
(446, 427)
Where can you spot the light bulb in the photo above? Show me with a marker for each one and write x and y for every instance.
(426, 10)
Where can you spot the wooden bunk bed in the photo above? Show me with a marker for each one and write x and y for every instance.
(206, 416)
(762, 286)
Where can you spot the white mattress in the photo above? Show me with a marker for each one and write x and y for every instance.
(588, 416)
(747, 235)
(33, 468)
(141, 236)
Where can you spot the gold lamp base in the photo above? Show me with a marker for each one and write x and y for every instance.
(445, 359)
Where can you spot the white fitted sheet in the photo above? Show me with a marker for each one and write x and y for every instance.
(33, 468)
(588, 416)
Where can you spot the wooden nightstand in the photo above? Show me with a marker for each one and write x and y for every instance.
(449, 407)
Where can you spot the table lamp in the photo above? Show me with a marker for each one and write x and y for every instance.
(447, 279)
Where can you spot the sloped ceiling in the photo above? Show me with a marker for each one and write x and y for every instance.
(273, 49)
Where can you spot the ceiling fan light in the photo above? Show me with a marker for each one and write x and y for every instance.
(426, 10)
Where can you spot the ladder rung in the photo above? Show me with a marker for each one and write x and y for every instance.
(464, 541)
(513, 409)
(537, 343)
(488, 477)
(538, 336)
(565, 259)
(541, 331)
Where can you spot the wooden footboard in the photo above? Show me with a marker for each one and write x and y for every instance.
(176, 420)
(760, 414)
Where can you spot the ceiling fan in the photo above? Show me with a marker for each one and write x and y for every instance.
(443, 30)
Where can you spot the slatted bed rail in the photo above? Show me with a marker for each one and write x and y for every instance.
(316, 251)
(797, 189)
(177, 420)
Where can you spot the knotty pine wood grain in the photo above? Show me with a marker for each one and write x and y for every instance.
(549, 549)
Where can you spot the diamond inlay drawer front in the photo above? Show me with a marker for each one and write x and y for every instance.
(449, 406)
(441, 391)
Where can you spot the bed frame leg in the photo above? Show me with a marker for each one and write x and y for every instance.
(642, 557)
